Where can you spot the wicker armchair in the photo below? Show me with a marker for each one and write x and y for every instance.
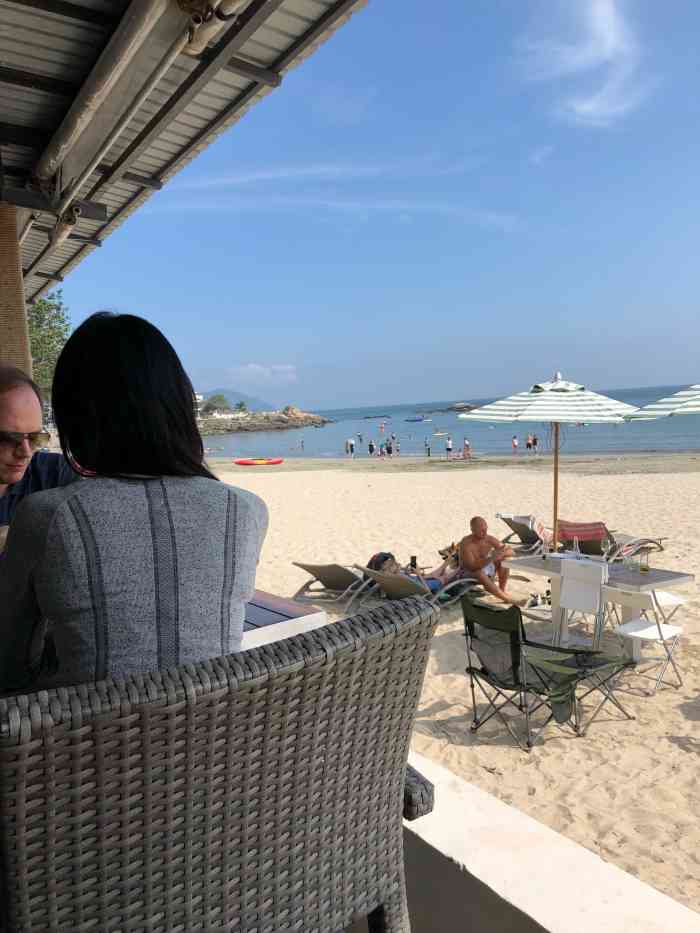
(260, 791)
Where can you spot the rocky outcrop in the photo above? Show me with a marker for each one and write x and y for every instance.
(289, 417)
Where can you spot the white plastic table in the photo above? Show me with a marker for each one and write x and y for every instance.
(622, 577)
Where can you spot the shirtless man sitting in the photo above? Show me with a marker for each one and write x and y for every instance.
(481, 555)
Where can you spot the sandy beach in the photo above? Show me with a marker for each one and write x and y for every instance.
(628, 790)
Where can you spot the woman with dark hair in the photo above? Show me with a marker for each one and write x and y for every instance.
(149, 561)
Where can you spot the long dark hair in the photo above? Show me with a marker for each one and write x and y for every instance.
(122, 402)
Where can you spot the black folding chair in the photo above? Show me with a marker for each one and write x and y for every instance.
(516, 674)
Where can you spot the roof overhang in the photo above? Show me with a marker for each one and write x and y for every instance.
(56, 58)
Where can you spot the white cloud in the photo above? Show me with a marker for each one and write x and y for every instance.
(359, 208)
(601, 46)
(262, 375)
(426, 167)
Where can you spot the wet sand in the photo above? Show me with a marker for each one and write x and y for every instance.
(583, 464)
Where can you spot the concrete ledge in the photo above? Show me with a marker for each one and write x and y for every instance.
(477, 864)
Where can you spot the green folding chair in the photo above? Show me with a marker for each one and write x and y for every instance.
(516, 675)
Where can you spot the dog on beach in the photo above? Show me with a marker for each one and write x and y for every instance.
(450, 553)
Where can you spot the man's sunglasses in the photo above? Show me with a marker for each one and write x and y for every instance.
(15, 439)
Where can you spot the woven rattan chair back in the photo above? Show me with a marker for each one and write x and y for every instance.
(260, 791)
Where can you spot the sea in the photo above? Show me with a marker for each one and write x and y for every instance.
(665, 435)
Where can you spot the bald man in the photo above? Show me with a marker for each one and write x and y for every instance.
(481, 556)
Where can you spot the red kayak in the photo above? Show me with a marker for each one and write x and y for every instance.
(259, 461)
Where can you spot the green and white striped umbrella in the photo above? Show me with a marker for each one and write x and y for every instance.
(557, 402)
(685, 402)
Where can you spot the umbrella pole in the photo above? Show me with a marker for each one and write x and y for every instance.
(556, 485)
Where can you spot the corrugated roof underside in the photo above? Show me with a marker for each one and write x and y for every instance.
(65, 50)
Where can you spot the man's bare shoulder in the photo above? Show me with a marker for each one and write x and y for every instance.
(494, 542)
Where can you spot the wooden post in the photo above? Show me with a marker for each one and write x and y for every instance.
(14, 333)
(556, 486)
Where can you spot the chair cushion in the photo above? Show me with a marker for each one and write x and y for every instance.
(642, 628)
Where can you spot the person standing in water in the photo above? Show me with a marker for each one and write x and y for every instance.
(514, 444)
(448, 447)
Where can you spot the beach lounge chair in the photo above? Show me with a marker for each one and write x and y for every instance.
(527, 678)
(595, 539)
(261, 790)
(336, 584)
(399, 586)
(625, 546)
(532, 534)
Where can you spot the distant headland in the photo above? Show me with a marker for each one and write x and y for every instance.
(232, 422)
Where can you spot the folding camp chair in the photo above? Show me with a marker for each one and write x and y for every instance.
(514, 673)
(399, 586)
(337, 584)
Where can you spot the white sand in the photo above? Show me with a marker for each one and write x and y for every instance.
(628, 790)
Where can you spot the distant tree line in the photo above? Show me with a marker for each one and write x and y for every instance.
(220, 403)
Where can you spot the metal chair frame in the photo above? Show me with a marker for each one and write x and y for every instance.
(593, 677)
(652, 612)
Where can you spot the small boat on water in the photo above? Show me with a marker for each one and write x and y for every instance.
(440, 434)
(418, 418)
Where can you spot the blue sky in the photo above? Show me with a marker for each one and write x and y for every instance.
(438, 207)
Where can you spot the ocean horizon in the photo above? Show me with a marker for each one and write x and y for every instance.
(362, 423)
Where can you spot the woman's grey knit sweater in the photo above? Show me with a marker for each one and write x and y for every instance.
(125, 576)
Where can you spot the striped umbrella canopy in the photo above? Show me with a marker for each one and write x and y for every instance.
(685, 402)
(557, 402)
